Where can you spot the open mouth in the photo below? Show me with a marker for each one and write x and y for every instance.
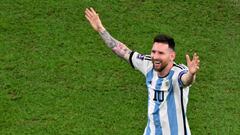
(157, 62)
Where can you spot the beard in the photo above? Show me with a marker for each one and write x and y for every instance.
(159, 65)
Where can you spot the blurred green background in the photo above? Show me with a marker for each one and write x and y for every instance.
(58, 77)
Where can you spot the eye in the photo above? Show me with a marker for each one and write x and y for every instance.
(161, 52)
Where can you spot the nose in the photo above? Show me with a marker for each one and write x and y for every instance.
(155, 56)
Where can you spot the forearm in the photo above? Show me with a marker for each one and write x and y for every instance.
(117, 47)
(108, 39)
(188, 78)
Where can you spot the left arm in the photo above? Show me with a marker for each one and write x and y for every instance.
(193, 66)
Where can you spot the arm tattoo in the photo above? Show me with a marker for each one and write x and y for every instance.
(108, 39)
(122, 51)
(117, 47)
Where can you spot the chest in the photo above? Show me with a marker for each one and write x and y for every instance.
(159, 88)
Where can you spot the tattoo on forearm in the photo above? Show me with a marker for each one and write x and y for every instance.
(121, 50)
(117, 47)
(108, 39)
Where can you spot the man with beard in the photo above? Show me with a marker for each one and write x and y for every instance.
(167, 83)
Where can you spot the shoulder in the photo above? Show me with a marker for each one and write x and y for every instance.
(139, 56)
(141, 62)
(180, 67)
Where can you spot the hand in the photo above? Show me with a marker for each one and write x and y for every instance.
(94, 19)
(193, 66)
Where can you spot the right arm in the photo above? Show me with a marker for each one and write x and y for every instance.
(117, 47)
(193, 67)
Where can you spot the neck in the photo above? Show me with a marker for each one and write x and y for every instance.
(165, 71)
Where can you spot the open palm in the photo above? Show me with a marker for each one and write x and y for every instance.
(193, 65)
(94, 19)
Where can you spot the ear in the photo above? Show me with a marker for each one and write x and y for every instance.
(172, 55)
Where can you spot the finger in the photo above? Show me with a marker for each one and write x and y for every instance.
(198, 63)
(197, 68)
(93, 11)
(90, 21)
(197, 59)
(188, 58)
(89, 12)
(88, 18)
(194, 56)
(87, 15)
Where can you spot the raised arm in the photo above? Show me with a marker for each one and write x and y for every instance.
(117, 47)
(193, 67)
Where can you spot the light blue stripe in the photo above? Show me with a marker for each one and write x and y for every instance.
(148, 130)
(149, 77)
(157, 123)
(171, 107)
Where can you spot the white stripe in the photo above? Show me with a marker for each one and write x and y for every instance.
(185, 101)
(188, 129)
(177, 97)
(152, 128)
(164, 119)
(150, 116)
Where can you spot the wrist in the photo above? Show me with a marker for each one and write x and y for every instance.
(101, 29)
(190, 74)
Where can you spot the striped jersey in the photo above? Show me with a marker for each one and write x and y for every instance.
(167, 98)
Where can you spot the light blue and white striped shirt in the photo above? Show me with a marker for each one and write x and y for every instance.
(167, 98)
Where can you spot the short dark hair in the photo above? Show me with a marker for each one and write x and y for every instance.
(162, 38)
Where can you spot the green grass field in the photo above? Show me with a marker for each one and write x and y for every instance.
(58, 78)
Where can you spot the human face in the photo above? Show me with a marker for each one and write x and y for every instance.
(162, 56)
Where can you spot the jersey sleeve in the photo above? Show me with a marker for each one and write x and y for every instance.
(140, 62)
(184, 70)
